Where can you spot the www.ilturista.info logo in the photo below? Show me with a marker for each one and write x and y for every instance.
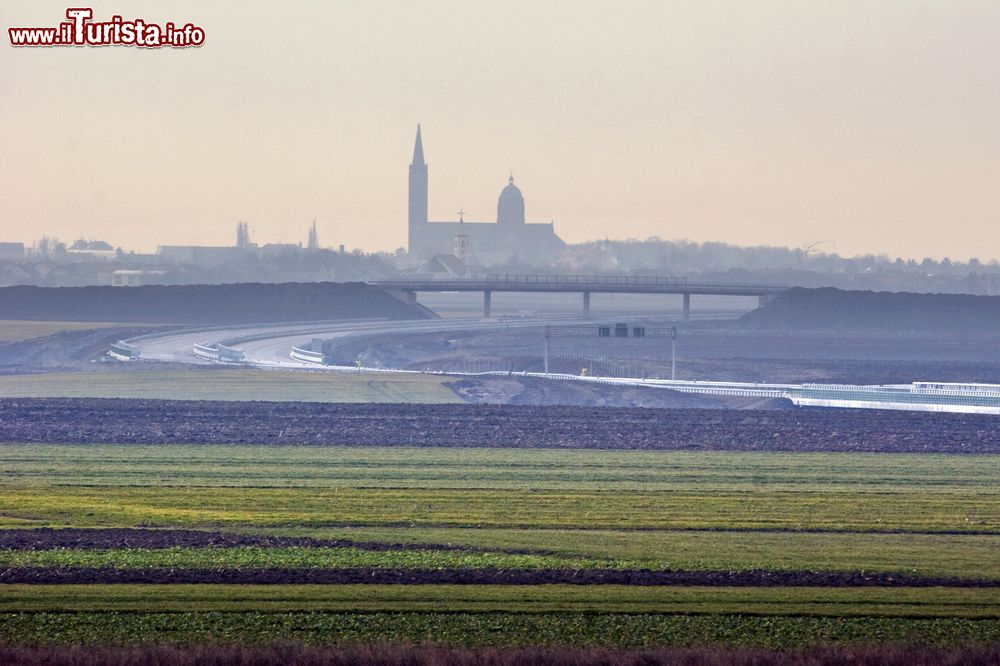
(79, 30)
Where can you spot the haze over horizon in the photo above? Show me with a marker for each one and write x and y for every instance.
(875, 125)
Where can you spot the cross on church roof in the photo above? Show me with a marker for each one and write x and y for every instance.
(461, 216)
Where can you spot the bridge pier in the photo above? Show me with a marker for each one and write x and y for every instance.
(404, 295)
(687, 307)
(487, 298)
(764, 299)
(586, 304)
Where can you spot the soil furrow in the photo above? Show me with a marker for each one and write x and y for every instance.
(486, 576)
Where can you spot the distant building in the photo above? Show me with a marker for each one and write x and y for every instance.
(279, 249)
(446, 267)
(200, 255)
(460, 243)
(209, 256)
(135, 278)
(509, 237)
(243, 235)
(11, 251)
(98, 249)
(313, 243)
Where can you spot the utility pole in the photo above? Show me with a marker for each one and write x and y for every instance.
(673, 353)
(548, 334)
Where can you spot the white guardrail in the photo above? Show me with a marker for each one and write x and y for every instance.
(207, 352)
(306, 356)
(218, 353)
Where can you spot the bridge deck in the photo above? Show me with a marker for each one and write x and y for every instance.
(616, 284)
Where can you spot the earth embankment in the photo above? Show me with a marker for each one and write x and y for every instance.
(839, 310)
(206, 304)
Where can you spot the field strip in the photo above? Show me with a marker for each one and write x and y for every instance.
(312, 423)
(235, 508)
(249, 465)
(842, 602)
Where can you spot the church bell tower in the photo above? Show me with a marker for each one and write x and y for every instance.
(418, 197)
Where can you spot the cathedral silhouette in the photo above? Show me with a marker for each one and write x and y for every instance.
(484, 243)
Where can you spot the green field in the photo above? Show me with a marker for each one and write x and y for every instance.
(231, 384)
(918, 515)
(811, 601)
(236, 508)
(492, 628)
(659, 510)
(926, 555)
(266, 466)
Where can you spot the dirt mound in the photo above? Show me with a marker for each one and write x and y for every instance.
(64, 350)
(838, 310)
(206, 304)
(532, 391)
(86, 420)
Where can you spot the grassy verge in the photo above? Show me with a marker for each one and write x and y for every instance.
(18, 331)
(231, 384)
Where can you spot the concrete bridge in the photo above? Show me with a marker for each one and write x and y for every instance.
(584, 284)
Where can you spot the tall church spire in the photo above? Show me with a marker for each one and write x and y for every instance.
(418, 149)
(418, 198)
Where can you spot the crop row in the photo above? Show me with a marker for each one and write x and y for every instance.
(341, 565)
(843, 601)
(426, 655)
(502, 629)
(243, 557)
(483, 576)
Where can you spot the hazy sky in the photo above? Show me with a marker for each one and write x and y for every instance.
(874, 124)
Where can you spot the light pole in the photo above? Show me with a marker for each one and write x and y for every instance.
(548, 334)
(673, 353)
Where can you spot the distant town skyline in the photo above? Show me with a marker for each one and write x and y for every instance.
(874, 125)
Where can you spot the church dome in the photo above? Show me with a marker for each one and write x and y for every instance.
(510, 207)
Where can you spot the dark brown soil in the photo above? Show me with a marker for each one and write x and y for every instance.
(376, 576)
(45, 538)
(392, 655)
(87, 421)
(536, 391)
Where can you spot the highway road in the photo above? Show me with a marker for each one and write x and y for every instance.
(270, 345)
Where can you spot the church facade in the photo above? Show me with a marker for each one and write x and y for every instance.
(483, 243)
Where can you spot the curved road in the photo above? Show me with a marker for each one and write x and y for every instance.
(270, 345)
